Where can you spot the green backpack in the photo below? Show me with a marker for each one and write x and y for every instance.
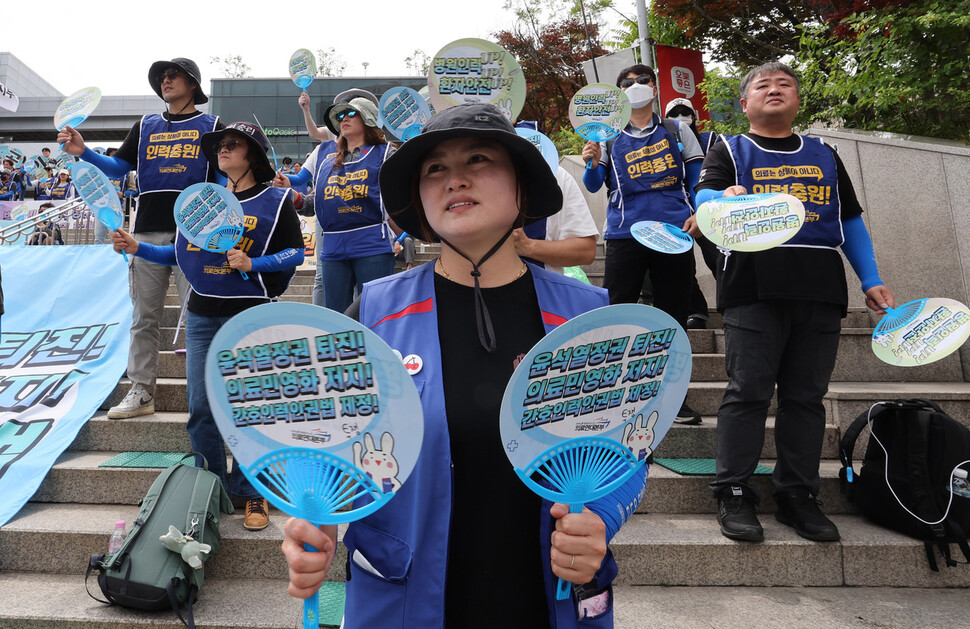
(144, 574)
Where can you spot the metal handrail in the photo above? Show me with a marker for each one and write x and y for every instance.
(27, 226)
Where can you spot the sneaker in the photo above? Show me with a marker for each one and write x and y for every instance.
(697, 322)
(737, 516)
(137, 402)
(257, 514)
(801, 511)
(687, 416)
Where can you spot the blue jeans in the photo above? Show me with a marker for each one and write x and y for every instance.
(203, 432)
(340, 277)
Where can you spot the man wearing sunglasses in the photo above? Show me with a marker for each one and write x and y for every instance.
(649, 170)
(164, 150)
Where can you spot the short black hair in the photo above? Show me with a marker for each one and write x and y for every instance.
(638, 69)
(767, 68)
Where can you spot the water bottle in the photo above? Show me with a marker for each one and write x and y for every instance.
(117, 537)
(960, 486)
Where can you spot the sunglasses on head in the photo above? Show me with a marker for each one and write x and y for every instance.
(169, 73)
(642, 80)
(229, 145)
(350, 113)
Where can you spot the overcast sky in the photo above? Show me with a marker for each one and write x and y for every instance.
(111, 44)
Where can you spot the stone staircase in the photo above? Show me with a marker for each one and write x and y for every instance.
(673, 539)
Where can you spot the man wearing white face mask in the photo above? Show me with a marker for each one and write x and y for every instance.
(650, 170)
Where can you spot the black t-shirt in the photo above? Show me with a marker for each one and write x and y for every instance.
(494, 561)
(796, 273)
(155, 210)
(287, 235)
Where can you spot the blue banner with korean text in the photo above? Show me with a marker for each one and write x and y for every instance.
(63, 347)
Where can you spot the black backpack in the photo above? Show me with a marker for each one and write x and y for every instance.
(904, 484)
(144, 574)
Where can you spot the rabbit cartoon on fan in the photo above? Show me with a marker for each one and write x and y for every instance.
(380, 465)
(638, 435)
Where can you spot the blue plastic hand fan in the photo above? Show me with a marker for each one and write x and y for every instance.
(98, 193)
(572, 418)
(210, 217)
(313, 455)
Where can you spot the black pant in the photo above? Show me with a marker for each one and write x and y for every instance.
(628, 262)
(698, 304)
(793, 344)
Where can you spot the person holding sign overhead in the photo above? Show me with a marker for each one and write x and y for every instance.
(782, 307)
(464, 543)
(271, 248)
(165, 153)
(649, 170)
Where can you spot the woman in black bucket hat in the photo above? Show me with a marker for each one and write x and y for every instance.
(269, 251)
(464, 543)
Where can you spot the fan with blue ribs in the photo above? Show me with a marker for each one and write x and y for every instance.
(589, 403)
(662, 237)
(210, 217)
(301, 394)
(921, 332)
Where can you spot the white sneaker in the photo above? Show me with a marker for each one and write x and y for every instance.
(136, 403)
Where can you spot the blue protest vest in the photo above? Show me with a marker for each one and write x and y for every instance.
(43, 190)
(407, 540)
(209, 273)
(809, 174)
(647, 182)
(61, 191)
(347, 202)
(169, 154)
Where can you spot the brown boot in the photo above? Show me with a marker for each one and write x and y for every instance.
(257, 514)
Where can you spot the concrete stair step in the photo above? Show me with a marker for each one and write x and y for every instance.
(651, 549)
(42, 601)
(60, 538)
(671, 493)
(76, 478)
(687, 549)
(843, 402)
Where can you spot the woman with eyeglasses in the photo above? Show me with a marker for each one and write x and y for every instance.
(650, 170)
(270, 250)
(356, 244)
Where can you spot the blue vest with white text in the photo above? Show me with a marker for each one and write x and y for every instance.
(347, 202)
(43, 190)
(210, 274)
(169, 153)
(61, 191)
(810, 174)
(407, 540)
(646, 183)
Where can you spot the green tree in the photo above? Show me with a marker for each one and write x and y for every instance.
(329, 62)
(418, 62)
(898, 69)
(232, 66)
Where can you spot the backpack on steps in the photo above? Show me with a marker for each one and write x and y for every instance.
(144, 574)
(908, 473)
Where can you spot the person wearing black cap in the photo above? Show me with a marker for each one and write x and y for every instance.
(42, 191)
(164, 151)
(274, 239)
(433, 557)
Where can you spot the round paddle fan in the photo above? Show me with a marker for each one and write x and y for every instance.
(599, 112)
(210, 217)
(76, 108)
(921, 332)
(100, 195)
(302, 394)
(751, 222)
(662, 237)
(303, 68)
(542, 142)
(590, 402)
(476, 71)
(403, 112)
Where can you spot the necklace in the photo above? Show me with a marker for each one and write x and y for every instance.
(441, 265)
